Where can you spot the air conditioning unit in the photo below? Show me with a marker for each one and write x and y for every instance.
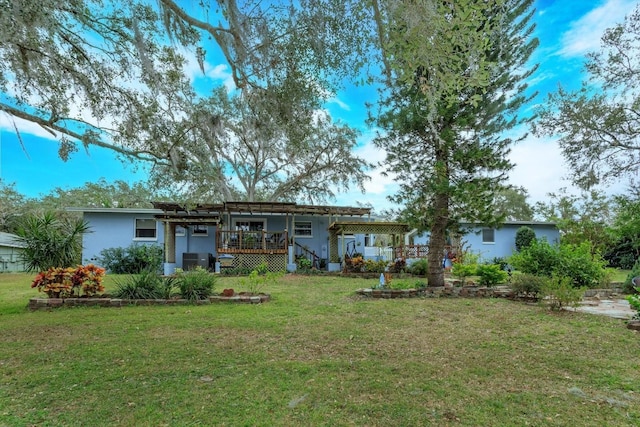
(191, 260)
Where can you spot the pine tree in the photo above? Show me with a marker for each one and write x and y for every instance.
(455, 84)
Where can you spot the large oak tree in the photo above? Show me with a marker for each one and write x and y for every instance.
(112, 74)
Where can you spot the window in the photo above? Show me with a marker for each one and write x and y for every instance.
(145, 228)
(303, 229)
(180, 231)
(199, 230)
(250, 224)
(488, 235)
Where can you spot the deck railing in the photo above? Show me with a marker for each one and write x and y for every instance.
(241, 241)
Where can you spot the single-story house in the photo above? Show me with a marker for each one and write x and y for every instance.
(245, 234)
(490, 243)
(236, 234)
(11, 253)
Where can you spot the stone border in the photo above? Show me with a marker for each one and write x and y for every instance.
(441, 291)
(49, 303)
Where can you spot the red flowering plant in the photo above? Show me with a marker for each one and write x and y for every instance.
(58, 282)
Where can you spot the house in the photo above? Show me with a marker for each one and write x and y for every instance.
(236, 234)
(491, 243)
(246, 234)
(11, 253)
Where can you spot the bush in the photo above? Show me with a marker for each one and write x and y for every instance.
(578, 263)
(146, 285)
(635, 272)
(406, 284)
(69, 282)
(371, 266)
(259, 278)
(559, 292)
(527, 285)
(196, 284)
(398, 266)
(525, 236)
(462, 271)
(490, 275)
(134, 259)
(304, 263)
(573, 261)
(539, 259)
(500, 261)
(634, 302)
(419, 267)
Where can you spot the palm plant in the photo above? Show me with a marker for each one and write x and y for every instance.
(51, 241)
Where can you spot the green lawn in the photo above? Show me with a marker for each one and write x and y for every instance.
(314, 355)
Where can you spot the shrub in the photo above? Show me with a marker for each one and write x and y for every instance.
(146, 285)
(635, 272)
(398, 266)
(354, 264)
(419, 267)
(490, 275)
(634, 302)
(462, 271)
(573, 261)
(196, 284)
(304, 263)
(578, 263)
(558, 292)
(134, 259)
(258, 279)
(50, 241)
(524, 238)
(500, 261)
(371, 266)
(539, 259)
(68, 282)
(527, 285)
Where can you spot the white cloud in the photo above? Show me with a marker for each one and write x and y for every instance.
(540, 168)
(339, 103)
(584, 34)
(10, 123)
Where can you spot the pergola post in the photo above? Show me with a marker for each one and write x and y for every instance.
(169, 248)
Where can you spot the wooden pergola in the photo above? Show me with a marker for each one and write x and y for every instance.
(219, 214)
(341, 228)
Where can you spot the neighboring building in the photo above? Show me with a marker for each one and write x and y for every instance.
(11, 253)
(244, 234)
(490, 243)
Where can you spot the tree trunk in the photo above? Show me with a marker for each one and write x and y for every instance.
(437, 241)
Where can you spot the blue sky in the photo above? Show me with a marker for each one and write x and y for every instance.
(567, 29)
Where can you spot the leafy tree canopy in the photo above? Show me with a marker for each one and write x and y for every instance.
(116, 75)
(599, 124)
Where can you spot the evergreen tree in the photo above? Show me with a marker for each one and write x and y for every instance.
(454, 74)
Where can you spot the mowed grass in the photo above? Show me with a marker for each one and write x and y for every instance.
(314, 355)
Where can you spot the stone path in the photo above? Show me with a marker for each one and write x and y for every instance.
(616, 308)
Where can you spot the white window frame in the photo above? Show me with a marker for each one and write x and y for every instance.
(296, 230)
(493, 235)
(195, 230)
(145, 238)
(180, 231)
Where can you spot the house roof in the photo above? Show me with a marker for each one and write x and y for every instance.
(10, 240)
(260, 207)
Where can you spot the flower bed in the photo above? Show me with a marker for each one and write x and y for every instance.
(49, 303)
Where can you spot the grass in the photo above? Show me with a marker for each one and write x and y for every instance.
(314, 355)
